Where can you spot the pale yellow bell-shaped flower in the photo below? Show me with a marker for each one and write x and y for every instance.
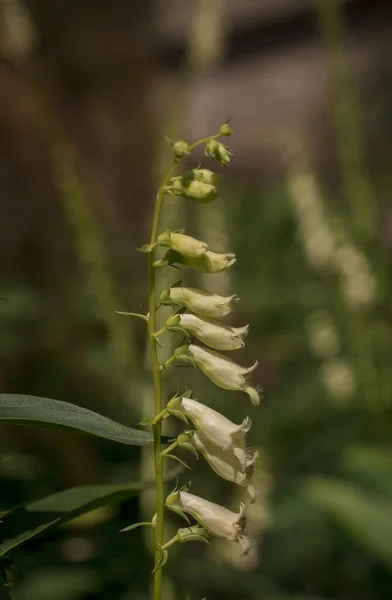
(212, 333)
(185, 244)
(201, 302)
(216, 519)
(209, 262)
(232, 464)
(221, 370)
(217, 428)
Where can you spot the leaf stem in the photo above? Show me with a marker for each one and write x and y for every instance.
(157, 424)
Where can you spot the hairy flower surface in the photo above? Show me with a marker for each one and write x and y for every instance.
(216, 519)
(200, 302)
(213, 333)
(221, 370)
(185, 244)
(214, 427)
(209, 262)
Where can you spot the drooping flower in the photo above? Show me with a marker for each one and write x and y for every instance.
(216, 428)
(232, 464)
(213, 333)
(209, 262)
(200, 302)
(184, 244)
(221, 370)
(216, 519)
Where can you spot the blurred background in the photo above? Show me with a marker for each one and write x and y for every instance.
(88, 91)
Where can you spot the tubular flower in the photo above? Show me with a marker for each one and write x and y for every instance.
(231, 465)
(200, 302)
(185, 244)
(221, 370)
(209, 262)
(209, 331)
(213, 426)
(216, 519)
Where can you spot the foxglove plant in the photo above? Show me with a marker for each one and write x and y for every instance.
(196, 314)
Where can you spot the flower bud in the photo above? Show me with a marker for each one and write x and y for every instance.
(192, 534)
(226, 129)
(199, 191)
(216, 519)
(213, 426)
(209, 262)
(209, 331)
(221, 370)
(206, 176)
(184, 244)
(180, 148)
(219, 151)
(201, 302)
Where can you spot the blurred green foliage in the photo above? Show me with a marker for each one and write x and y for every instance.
(323, 521)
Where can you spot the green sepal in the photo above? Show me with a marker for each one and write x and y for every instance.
(135, 525)
(132, 314)
(146, 248)
(179, 415)
(179, 512)
(146, 422)
(174, 457)
(176, 329)
(162, 560)
(191, 448)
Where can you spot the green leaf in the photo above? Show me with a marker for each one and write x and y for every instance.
(28, 521)
(367, 518)
(45, 412)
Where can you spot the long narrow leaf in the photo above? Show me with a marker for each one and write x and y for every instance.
(26, 522)
(45, 412)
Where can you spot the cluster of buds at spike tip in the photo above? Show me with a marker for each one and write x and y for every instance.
(198, 314)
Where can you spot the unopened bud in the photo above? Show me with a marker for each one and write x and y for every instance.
(226, 129)
(192, 534)
(185, 244)
(196, 185)
(180, 148)
(219, 151)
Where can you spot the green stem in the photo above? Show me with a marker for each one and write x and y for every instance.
(157, 425)
(204, 141)
(170, 448)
